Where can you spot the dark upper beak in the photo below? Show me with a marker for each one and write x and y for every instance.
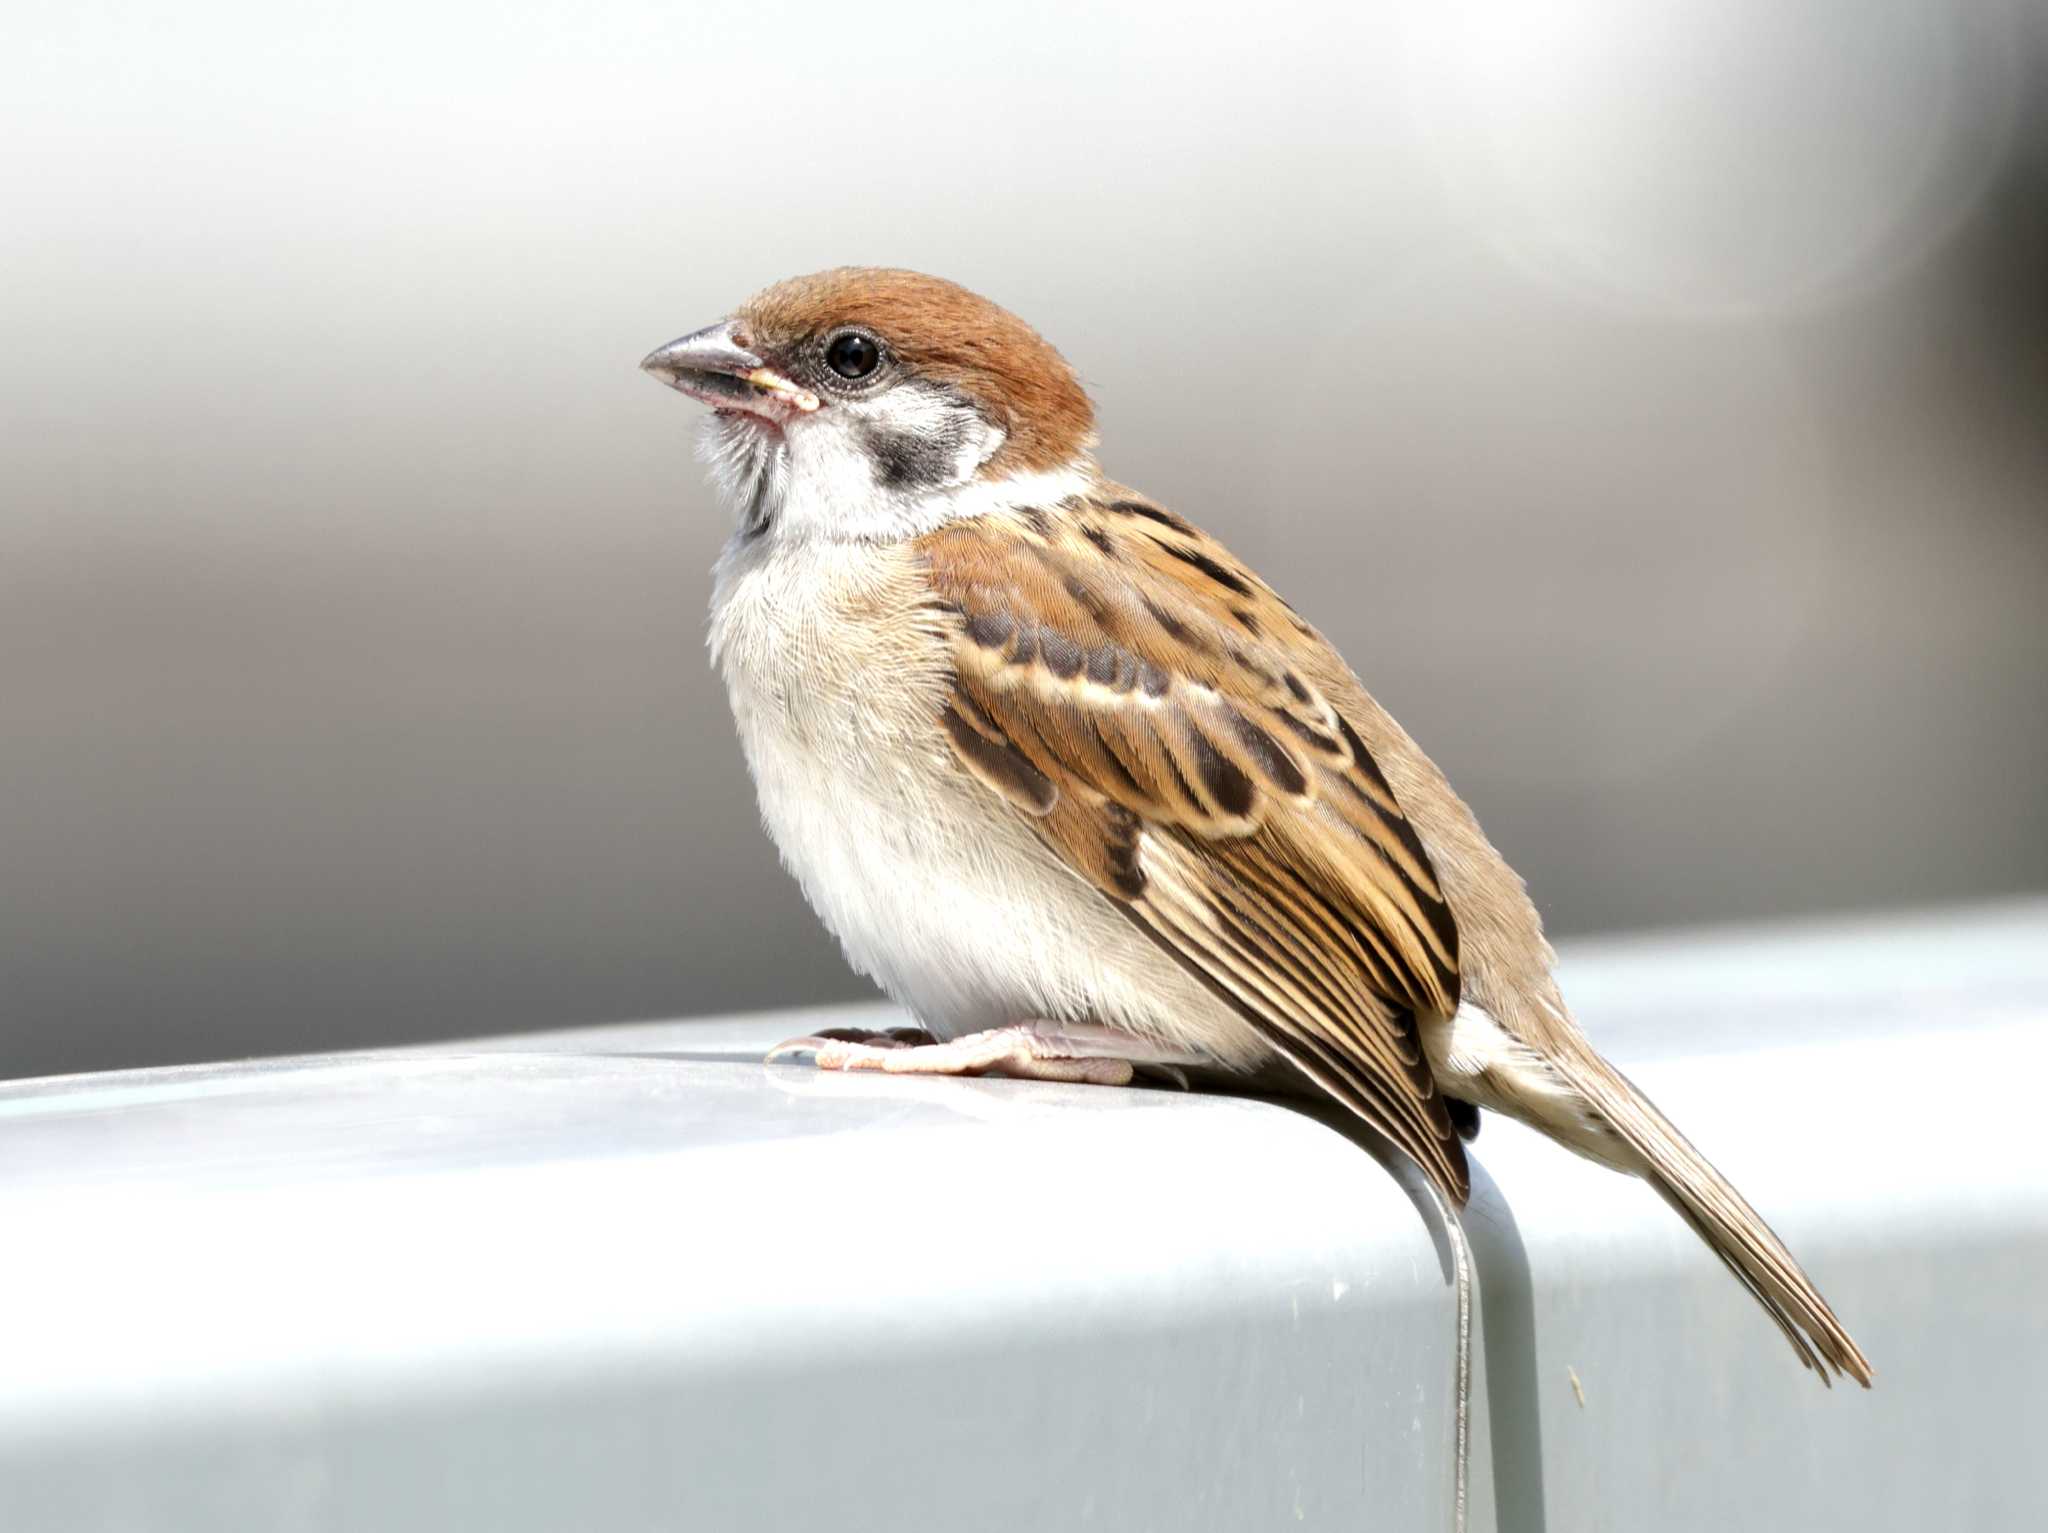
(712, 365)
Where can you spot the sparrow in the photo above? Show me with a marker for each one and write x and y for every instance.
(1081, 792)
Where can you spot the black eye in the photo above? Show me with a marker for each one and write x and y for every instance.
(853, 355)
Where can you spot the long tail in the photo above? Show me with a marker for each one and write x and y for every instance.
(1724, 1220)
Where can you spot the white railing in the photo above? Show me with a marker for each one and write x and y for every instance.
(629, 1278)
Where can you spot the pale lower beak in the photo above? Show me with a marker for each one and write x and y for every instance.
(713, 366)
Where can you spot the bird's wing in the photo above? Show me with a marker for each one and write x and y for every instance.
(1147, 702)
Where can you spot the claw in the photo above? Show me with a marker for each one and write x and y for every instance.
(812, 1045)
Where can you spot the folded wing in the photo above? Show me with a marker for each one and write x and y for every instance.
(1140, 696)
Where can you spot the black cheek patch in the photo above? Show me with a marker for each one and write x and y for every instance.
(907, 460)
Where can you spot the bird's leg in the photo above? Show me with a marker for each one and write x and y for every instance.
(1039, 1051)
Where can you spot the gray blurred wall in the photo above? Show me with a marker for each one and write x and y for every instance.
(1649, 400)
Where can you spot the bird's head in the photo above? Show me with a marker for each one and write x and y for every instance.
(866, 403)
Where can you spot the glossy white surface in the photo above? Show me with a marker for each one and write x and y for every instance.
(630, 1277)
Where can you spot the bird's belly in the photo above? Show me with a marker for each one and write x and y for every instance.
(940, 924)
(944, 896)
(936, 888)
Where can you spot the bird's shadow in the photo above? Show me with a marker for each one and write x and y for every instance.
(1505, 1299)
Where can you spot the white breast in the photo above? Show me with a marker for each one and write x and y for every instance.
(937, 889)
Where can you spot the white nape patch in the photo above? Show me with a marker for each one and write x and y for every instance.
(870, 470)
(1045, 489)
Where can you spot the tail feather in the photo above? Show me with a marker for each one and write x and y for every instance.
(1723, 1219)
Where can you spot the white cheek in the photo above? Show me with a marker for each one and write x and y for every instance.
(930, 414)
(834, 488)
(819, 480)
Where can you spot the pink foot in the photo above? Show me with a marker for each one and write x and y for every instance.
(1037, 1051)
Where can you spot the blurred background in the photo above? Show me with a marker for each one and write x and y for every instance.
(1652, 402)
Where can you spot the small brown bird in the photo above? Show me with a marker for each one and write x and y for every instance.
(1079, 790)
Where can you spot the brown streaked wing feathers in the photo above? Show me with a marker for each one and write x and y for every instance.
(1124, 682)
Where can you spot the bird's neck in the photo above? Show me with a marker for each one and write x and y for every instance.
(777, 494)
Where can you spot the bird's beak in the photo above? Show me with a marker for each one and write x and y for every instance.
(712, 365)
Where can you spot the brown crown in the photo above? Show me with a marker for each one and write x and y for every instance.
(943, 332)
